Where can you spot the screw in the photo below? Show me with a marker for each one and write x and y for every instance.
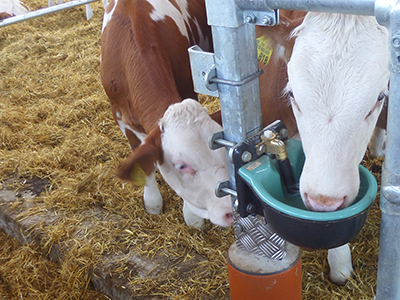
(251, 208)
(246, 156)
(268, 134)
(267, 20)
(250, 18)
(396, 41)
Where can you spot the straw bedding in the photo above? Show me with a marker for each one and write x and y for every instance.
(57, 129)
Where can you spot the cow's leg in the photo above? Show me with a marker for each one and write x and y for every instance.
(191, 219)
(377, 143)
(152, 199)
(339, 260)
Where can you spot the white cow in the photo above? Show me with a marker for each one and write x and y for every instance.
(338, 80)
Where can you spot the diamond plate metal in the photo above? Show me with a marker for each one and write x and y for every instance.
(254, 235)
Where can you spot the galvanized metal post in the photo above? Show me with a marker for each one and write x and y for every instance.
(235, 59)
(388, 281)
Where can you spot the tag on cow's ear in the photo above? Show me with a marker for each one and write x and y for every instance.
(138, 176)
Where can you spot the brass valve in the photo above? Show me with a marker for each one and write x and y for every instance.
(272, 145)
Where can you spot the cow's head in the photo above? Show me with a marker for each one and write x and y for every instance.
(338, 82)
(179, 146)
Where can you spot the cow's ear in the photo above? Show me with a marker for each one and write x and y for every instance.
(217, 117)
(280, 35)
(142, 161)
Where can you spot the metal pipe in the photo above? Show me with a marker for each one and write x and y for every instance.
(43, 11)
(360, 7)
(388, 284)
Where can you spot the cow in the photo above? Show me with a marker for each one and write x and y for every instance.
(145, 73)
(10, 8)
(337, 83)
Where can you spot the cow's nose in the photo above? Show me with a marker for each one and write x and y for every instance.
(229, 218)
(323, 203)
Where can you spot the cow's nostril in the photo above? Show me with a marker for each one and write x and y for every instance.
(229, 218)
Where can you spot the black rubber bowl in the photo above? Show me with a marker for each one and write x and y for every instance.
(288, 216)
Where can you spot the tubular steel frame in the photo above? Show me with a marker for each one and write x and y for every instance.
(48, 10)
(235, 57)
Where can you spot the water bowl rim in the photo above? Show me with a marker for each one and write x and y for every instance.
(353, 210)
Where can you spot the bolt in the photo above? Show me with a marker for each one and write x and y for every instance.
(246, 156)
(236, 205)
(396, 41)
(268, 134)
(251, 208)
(267, 20)
(284, 133)
(250, 18)
(261, 149)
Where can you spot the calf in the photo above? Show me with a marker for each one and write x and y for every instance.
(145, 72)
(338, 81)
(10, 8)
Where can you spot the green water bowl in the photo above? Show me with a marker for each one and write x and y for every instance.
(287, 214)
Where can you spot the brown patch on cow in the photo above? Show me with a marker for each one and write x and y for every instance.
(110, 6)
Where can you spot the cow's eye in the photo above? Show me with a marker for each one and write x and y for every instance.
(184, 168)
(381, 99)
(293, 100)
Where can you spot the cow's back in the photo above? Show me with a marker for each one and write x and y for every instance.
(144, 60)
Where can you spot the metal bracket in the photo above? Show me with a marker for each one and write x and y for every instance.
(236, 82)
(217, 141)
(224, 189)
(203, 69)
(204, 73)
(261, 18)
(240, 12)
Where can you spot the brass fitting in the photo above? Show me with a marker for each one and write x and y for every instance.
(270, 144)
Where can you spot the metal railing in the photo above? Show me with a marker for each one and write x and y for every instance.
(45, 11)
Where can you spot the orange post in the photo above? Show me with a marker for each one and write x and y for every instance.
(253, 277)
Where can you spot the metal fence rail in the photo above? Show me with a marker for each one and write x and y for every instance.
(43, 11)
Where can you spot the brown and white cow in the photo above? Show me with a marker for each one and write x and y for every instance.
(10, 8)
(145, 72)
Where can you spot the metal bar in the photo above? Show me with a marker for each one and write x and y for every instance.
(239, 82)
(235, 59)
(43, 11)
(360, 7)
(388, 283)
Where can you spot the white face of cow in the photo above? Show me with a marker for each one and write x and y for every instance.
(190, 167)
(338, 78)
